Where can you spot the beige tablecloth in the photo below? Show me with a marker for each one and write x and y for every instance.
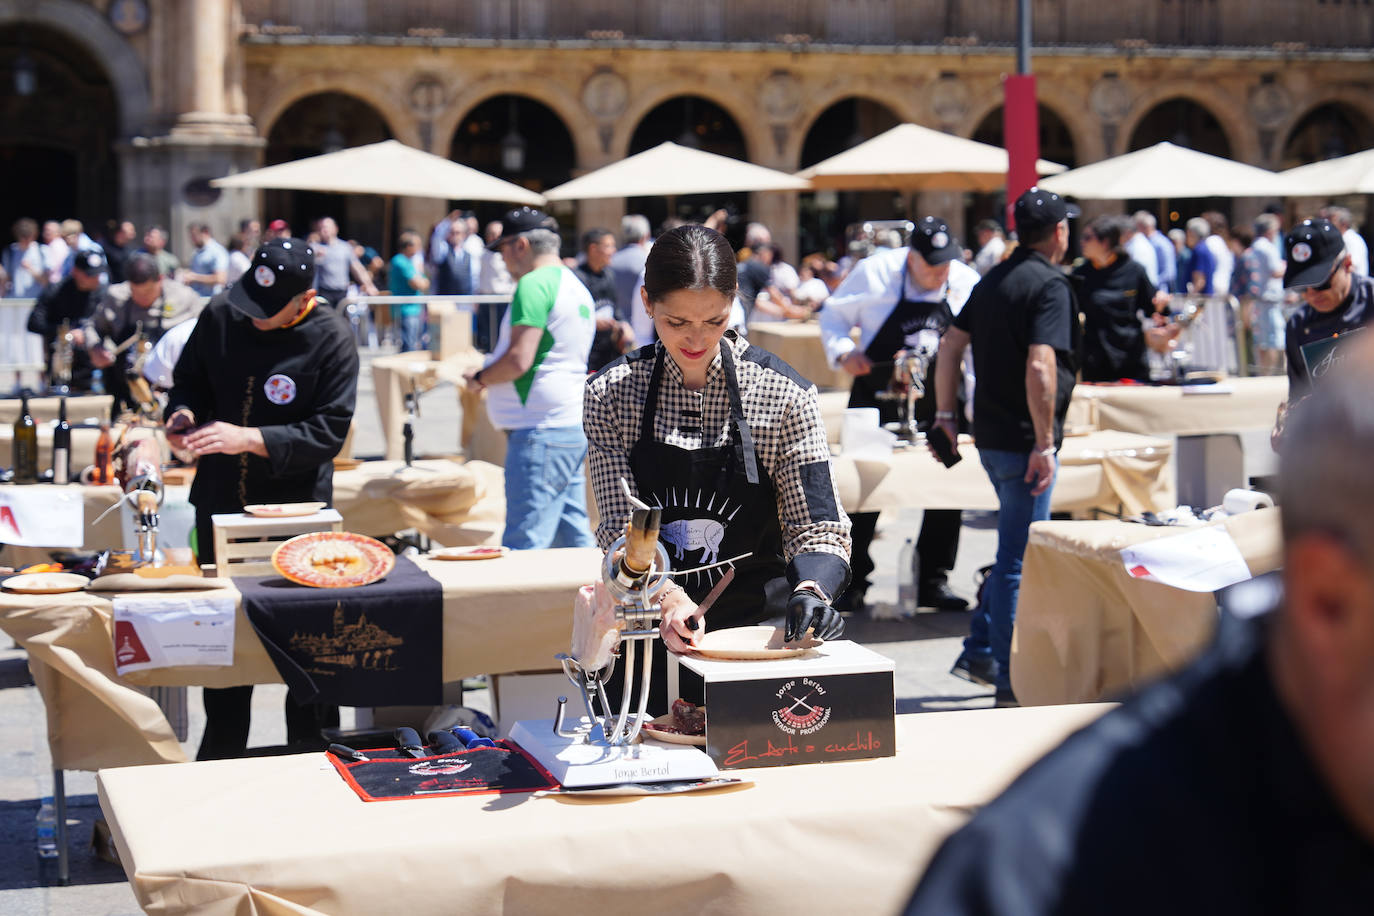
(285, 835)
(798, 343)
(504, 615)
(452, 503)
(1109, 472)
(1247, 403)
(79, 407)
(391, 379)
(1085, 629)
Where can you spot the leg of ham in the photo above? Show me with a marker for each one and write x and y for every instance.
(595, 627)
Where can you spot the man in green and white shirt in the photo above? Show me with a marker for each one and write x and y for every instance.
(534, 380)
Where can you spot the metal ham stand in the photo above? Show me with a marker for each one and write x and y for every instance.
(600, 749)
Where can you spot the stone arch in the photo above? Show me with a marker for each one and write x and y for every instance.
(541, 143)
(1356, 105)
(1228, 112)
(1081, 124)
(1073, 138)
(797, 143)
(551, 95)
(84, 25)
(750, 123)
(355, 85)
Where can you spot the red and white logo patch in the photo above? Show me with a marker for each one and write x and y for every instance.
(264, 276)
(280, 389)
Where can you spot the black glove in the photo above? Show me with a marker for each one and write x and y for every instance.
(806, 611)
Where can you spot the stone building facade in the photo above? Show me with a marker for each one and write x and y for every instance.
(138, 103)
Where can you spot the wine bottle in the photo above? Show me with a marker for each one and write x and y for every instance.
(104, 446)
(62, 446)
(25, 445)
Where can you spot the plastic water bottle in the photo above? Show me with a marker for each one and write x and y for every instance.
(906, 577)
(45, 826)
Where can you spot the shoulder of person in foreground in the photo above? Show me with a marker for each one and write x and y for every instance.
(1155, 800)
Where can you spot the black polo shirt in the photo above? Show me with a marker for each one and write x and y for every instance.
(1307, 325)
(1022, 301)
(1115, 299)
(1198, 796)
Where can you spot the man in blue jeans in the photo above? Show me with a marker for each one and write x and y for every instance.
(534, 379)
(1021, 320)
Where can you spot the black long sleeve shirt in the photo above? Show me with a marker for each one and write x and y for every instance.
(297, 385)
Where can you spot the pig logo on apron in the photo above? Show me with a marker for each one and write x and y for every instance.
(702, 534)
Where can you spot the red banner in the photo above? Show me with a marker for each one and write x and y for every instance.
(1021, 133)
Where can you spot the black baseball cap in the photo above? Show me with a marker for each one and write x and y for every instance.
(932, 240)
(1314, 247)
(1037, 208)
(89, 262)
(280, 271)
(521, 220)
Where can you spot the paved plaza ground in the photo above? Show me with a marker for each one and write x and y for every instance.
(923, 645)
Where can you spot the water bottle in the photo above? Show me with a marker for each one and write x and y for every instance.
(45, 826)
(906, 577)
(98, 382)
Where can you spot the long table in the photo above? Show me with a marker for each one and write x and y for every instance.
(394, 376)
(1109, 472)
(1233, 405)
(504, 615)
(285, 835)
(1087, 630)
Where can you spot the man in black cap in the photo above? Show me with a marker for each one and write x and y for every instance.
(1336, 301)
(900, 298)
(71, 302)
(1022, 322)
(263, 395)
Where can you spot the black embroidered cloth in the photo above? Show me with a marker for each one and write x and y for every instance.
(375, 645)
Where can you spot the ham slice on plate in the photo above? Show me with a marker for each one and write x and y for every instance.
(333, 559)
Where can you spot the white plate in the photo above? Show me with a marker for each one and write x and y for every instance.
(283, 510)
(646, 731)
(474, 552)
(751, 644)
(48, 583)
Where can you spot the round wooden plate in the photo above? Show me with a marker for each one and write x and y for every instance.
(751, 644)
(475, 552)
(48, 583)
(656, 729)
(333, 559)
(283, 510)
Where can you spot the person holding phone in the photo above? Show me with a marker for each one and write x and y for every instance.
(263, 396)
(900, 298)
(728, 440)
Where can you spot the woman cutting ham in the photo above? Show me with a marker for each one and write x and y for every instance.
(727, 439)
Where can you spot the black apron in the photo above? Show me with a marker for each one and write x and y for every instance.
(898, 332)
(717, 502)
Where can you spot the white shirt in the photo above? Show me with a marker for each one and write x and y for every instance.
(1226, 264)
(166, 352)
(990, 255)
(1359, 251)
(1270, 261)
(1144, 254)
(871, 291)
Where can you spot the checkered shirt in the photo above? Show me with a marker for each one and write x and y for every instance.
(783, 416)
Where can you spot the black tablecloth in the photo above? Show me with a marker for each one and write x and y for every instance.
(375, 645)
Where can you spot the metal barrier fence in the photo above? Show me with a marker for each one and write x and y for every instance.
(359, 312)
(1213, 337)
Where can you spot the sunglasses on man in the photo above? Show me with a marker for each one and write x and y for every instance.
(1323, 287)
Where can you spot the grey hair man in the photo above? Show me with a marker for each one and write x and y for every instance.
(534, 380)
(627, 264)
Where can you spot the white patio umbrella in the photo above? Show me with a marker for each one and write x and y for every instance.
(669, 170)
(1165, 171)
(910, 157)
(389, 168)
(1353, 174)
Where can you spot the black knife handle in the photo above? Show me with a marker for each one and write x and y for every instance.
(408, 739)
(443, 742)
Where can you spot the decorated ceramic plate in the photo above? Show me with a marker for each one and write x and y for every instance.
(663, 729)
(475, 552)
(283, 510)
(752, 644)
(333, 559)
(45, 583)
